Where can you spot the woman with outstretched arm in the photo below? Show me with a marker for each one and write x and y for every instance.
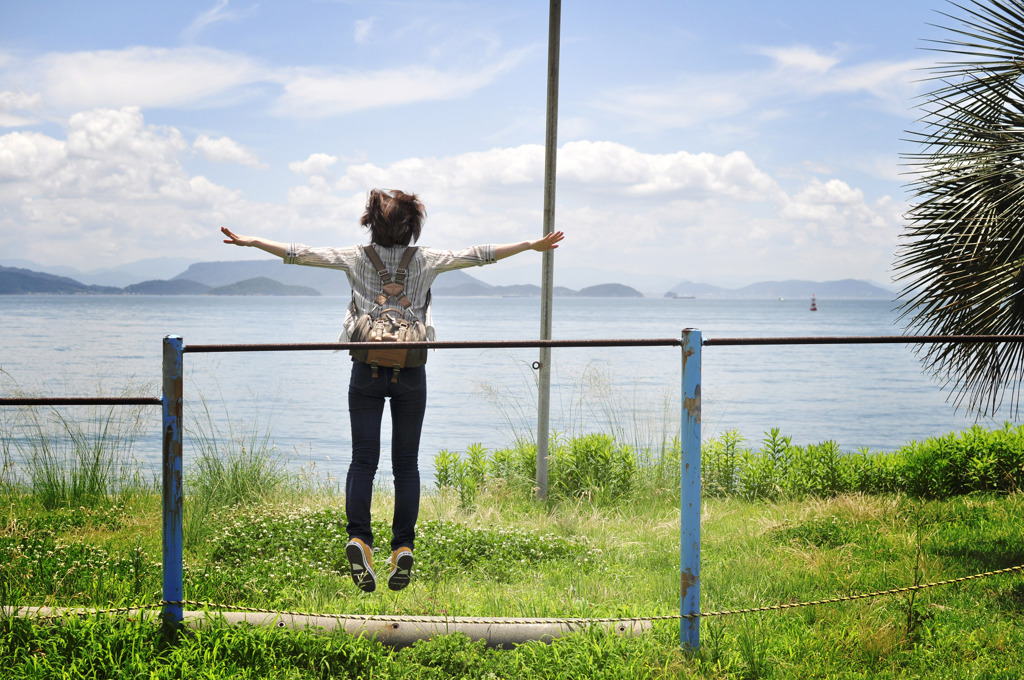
(394, 219)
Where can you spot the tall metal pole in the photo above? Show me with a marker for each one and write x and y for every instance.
(689, 515)
(172, 483)
(548, 262)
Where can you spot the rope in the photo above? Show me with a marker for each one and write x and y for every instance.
(389, 618)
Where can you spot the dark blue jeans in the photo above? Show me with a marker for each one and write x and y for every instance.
(366, 396)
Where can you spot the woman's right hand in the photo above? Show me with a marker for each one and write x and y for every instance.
(549, 242)
(272, 247)
(234, 238)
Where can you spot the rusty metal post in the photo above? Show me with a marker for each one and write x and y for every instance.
(689, 516)
(172, 483)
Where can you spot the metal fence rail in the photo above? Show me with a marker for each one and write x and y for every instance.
(691, 345)
(81, 401)
(445, 344)
(863, 340)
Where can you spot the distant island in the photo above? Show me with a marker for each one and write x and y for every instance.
(610, 290)
(845, 289)
(15, 281)
(261, 285)
(272, 278)
(269, 277)
(172, 287)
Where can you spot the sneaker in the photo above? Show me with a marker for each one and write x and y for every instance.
(401, 569)
(360, 560)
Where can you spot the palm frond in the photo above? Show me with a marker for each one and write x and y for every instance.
(961, 259)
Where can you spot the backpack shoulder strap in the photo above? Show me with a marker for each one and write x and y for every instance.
(389, 287)
(403, 266)
(382, 271)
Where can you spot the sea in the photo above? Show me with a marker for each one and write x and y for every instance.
(874, 397)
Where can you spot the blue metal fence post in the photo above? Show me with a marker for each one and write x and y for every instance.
(172, 501)
(689, 516)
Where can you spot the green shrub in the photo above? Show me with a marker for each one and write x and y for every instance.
(819, 470)
(516, 466)
(970, 461)
(973, 461)
(597, 467)
(763, 473)
(720, 464)
(592, 466)
(445, 463)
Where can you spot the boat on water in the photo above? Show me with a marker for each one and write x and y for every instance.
(814, 304)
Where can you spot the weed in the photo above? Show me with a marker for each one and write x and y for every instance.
(720, 465)
(821, 532)
(234, 468)
(266, 555)
(74, 461)
(445, 548)
(751, 647)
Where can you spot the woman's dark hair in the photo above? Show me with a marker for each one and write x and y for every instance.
(393, 217)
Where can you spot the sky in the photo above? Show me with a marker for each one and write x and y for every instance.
(724, 143)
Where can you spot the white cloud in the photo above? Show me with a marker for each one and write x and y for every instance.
(689, 215)
(20, 101)
(793, 75)
(194, 76)
(11, 101)
(226, 150)
(24, 155)
(690, 101)
(9, 120)
(217, 14)
(119, 136)
(600, 164)
(316, 93)
(318, 164)
(115, 188)
(800, 58)
(144, 76)
(363, 28)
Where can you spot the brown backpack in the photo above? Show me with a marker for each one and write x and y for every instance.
(391, 320)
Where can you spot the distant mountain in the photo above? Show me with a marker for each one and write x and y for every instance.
(119, 276)
(449, 283)
(199, 278)
(134, 272)
(465, 289)
(163, 287)
(15, 281)
(334, 282)
(217, 274)
(848, 289)
(261, 285)
(610, 290)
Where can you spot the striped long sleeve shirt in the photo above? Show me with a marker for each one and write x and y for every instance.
(365, 283)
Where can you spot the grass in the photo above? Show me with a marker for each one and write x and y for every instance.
(569, 560)
(79, 459)
(510, 557)
(605, 545)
